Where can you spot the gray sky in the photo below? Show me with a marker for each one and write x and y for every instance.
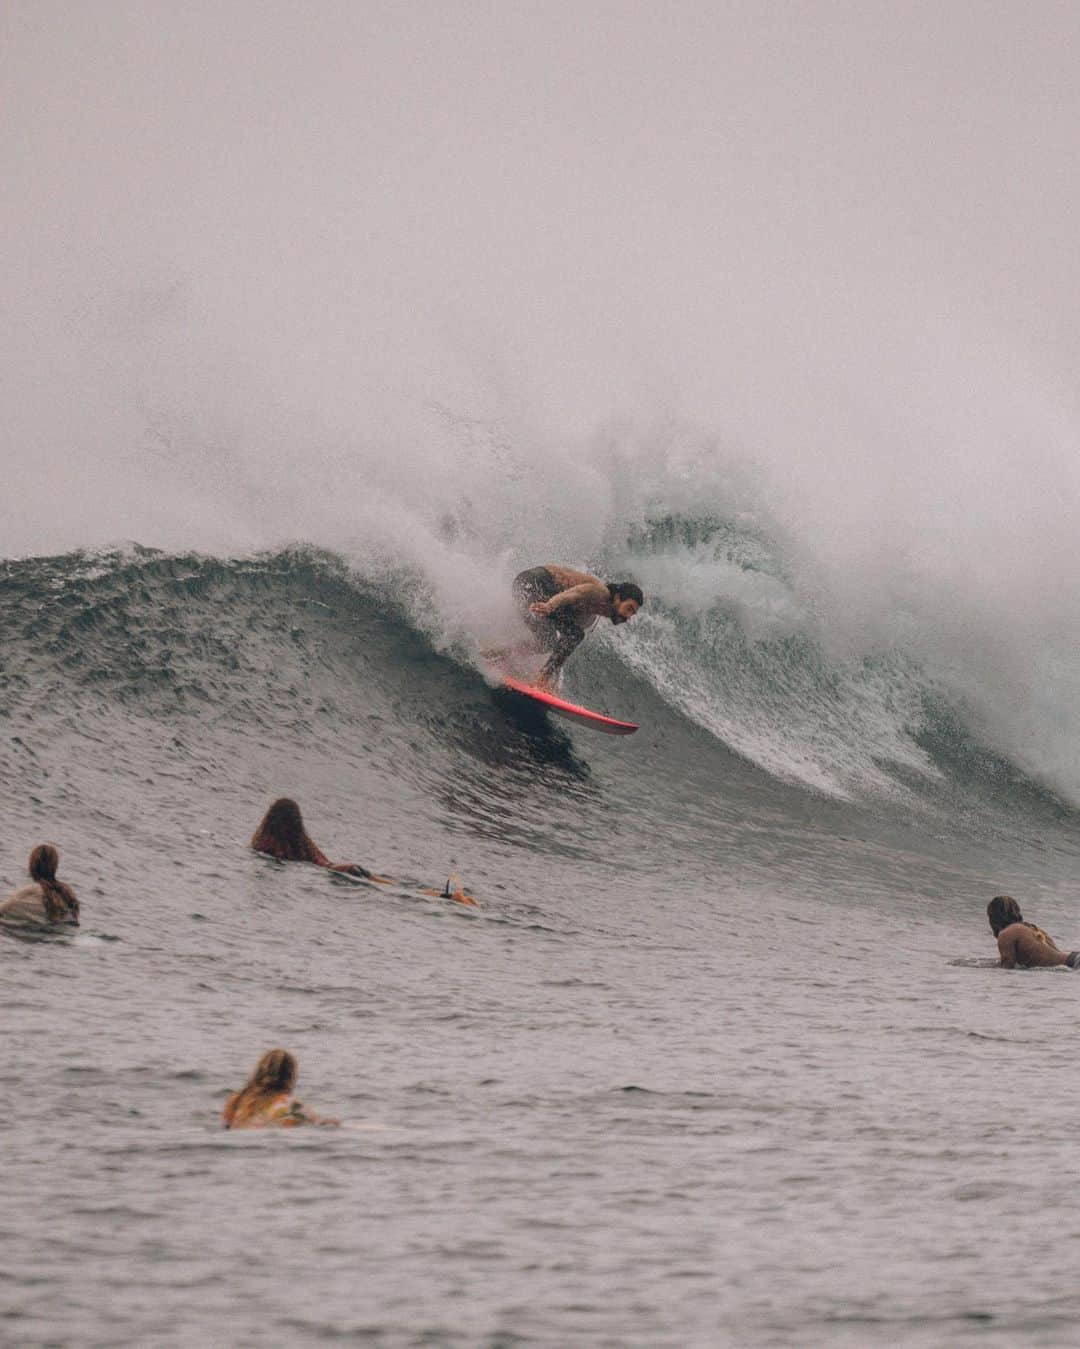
(839, 238)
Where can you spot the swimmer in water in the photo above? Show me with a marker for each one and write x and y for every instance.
(558, 605)
(1022, 945)
(281, 834)
(266, 1099)
(46, 901)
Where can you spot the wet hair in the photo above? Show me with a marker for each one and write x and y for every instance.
(1003, 911)
(626, 590)
(60, 902)
(281, 834)
(274, 1074)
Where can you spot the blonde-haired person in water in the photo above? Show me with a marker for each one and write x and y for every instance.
(281, 834)
(45, 901)
(266, 1100)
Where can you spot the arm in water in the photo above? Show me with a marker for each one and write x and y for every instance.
(299, 1114)
(355, 870)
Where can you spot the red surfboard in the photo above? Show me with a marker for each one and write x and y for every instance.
(553, 703)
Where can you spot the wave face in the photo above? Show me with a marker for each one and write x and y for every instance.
(239, 666)
(818, 633)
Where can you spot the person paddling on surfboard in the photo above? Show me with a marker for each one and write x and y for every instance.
(1021, 943)
(281, 834)
(559, 604)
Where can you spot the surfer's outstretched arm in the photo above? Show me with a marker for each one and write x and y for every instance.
(300, 1114)
(347, 868)
(588, 590)
(356, 870)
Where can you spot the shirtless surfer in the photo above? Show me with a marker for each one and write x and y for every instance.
(559, 604)
(1022, 944)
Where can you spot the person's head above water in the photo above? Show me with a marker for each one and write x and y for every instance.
(1003, 911)
(626, 599)
(281, 834)
(43, 862)
(60, 901)
(274, 1072)
(274, 1076)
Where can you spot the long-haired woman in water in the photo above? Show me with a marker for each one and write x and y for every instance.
(281, 834)
(45, 900)
(266, 1100)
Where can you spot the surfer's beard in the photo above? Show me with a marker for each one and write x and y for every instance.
(617, 618)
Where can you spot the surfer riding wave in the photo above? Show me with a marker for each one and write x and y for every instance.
(558, 605)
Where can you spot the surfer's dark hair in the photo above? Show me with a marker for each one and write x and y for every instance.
(626, 590)
(274, 1073)
(60, 902)
(281, 834)
(1003, 911)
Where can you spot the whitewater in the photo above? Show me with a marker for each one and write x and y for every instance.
(314, 335)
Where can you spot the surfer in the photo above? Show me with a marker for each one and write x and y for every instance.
(281, 834)
(1022, 944)
(266, 1100)
(45, 901)
(559, 604)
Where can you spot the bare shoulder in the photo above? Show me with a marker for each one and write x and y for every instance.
(565, 577)
(31, 891)
(27, 902)
(1018, 945)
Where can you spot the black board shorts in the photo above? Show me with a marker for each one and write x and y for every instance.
(535, 584)
(558, 633)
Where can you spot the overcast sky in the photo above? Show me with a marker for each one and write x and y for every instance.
(572, 212)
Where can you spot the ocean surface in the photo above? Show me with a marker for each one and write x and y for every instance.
(722, 1058)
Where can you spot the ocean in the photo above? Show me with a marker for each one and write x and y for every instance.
(318, 324)
(723, 1057)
